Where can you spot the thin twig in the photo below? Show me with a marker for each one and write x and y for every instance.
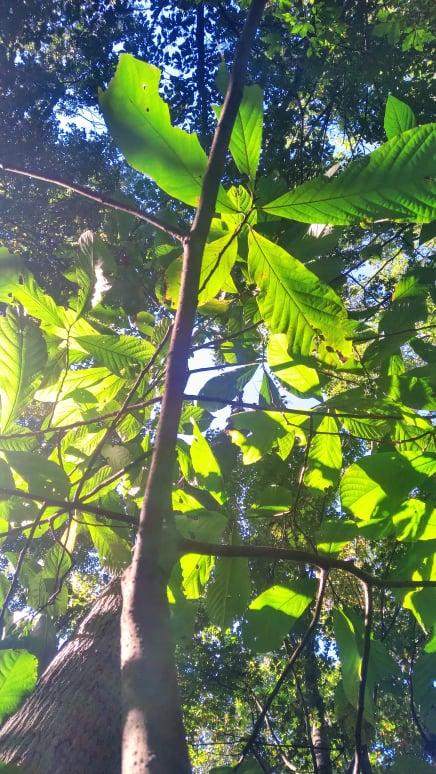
(88, 193)
(18, 566)
(69, 507)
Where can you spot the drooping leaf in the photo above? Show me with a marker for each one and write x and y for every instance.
(424, 689)
(201, 525)
(274, 612)
(407, 307)
(415, 520)
(205, 465)
(43, 476)
(348, 630)
(225, 386)
(23, 355)
(324, 459)
(196, 568)
(139, 122)
(293, 301)
(399, 117)
(392, 182)
(229, 591)
(18, 675)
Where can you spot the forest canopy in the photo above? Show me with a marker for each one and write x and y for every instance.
(217, 449)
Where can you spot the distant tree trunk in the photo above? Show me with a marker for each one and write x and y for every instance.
(71, 724)
(315, 706)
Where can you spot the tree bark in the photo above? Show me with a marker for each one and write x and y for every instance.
(153, 738)
(315, 706)
(71, 723)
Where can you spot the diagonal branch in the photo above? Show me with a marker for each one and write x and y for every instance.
(66, 506)
(288, 668)
(88, 193)
(323, 561)
(153, 733)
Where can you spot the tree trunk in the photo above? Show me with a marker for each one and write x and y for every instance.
(71, 724)
(315, 705)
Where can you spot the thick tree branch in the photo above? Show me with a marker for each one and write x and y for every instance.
(88, 193)
(358, 752)
(323, 561)
(153, 734)
(288, 668)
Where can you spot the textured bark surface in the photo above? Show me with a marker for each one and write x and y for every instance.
(315, 705)
(71, 724)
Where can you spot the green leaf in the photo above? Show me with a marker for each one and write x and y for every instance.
(89, 273)
(18, 675)
(293, 301)
(201, 525)
(324, 459)
(139, 122)
(246, 139)
(41, 306)
(23, 355)
(392, 182)
(218, 260)
(424, 689)
(206, 467)
(198, 525)
(225, 386)
(116, 352)
(415, 520)
(256, 432)
(350, 658)
(274, 612)
(229, 592)
(377, 484)
(43, 476)
(300, 378)
(399, 117)
(349, 634)
(113, 550)
(407, 307)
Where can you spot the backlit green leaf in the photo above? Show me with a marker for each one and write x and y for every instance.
(23, 355)
(293, 301)
(300, 378)
(398, 117)
(18, 675)
(246, 139)
(116, 352)
(274, 612)
(139, 122)
(392, 182)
